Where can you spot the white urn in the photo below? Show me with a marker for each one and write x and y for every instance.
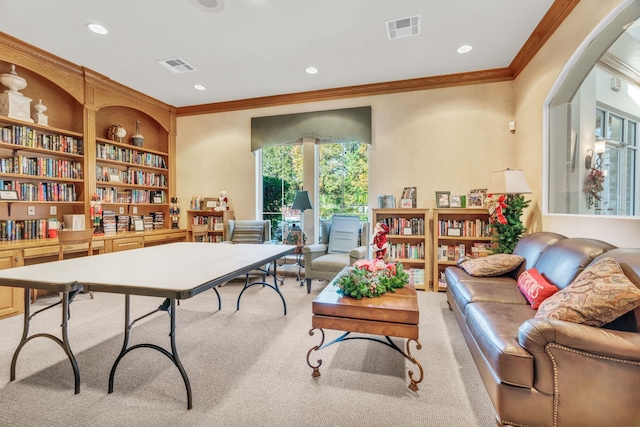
(13, 81)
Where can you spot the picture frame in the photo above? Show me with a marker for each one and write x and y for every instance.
(409, 197)
(210, 203)
(138, 224)
(8, 195)
(476, 198)
(455, 201)
(442, 199)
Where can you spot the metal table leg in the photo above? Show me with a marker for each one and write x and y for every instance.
(274, 287)
(64, 343)
(169, 306)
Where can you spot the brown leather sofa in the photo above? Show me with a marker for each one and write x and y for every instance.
(541, 372)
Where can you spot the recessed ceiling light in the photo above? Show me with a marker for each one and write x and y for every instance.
(199, 87)
(311, 70)
(464, 49)
(96, 28)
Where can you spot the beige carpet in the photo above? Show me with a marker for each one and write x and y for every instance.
(247, 368)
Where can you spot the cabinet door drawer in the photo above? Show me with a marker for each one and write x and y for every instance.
(127, 243)
(45, 251)
(165, 238)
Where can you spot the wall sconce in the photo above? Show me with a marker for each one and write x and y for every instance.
(587, 160)
(599, 148)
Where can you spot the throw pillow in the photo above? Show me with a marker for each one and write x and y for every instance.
(535, 287)
(492, 265)
(599, 295)
(248, 234)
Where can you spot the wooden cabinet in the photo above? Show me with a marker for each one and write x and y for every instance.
(126, 243)
(11, 299)
(216, 220)
(407, 238)
(457, 232)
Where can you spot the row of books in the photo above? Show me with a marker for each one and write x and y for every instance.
(41, 166)
(405, 226)
(151, 179)
(42, 191)
(113, 223)
(466, 228)
(451, 252)
(24, 229)
(215, 222)
(114, 195)
(128, 155)
(28, 137)
(406, 250)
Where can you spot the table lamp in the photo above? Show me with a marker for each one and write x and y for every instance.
(513, 184)
(302, 202)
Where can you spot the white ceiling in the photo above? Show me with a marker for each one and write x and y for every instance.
(255, 48)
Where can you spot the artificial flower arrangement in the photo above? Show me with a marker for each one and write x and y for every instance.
(593, 185)
(372, 279)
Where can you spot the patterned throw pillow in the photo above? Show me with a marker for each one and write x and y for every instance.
(535, 287)
(599, 295)
(492, 265)
(248, 234)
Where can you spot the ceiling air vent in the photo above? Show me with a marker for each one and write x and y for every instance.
(176, 65)
(403, 27)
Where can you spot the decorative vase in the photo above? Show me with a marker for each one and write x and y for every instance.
(39, 117)
(13, 81)
(137, 139)
(116, 133)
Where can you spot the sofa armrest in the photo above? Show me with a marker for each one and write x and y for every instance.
(572, 362)
(312, 252)
(358, 253)
(535, 335)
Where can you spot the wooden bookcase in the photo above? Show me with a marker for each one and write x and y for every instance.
(407, 238)
(451, 229)
(217, 233)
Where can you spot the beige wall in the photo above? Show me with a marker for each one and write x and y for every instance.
(441, 139)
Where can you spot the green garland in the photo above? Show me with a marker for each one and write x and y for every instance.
(361, 282)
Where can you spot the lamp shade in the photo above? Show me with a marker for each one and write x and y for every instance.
(509, 181)
(302, 202)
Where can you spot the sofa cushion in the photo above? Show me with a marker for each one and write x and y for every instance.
(599, 295)
(535, 288)
(248, 234)
(469, 289)
(565, 260)
(494, 328)
(331, 262)
(492, 265)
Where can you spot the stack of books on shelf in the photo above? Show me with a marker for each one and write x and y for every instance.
(122, 223)
(416, 276)
(109, 222)
(480, 249)
(148, 222)
(158, 220)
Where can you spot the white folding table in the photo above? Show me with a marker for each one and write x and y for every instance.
(173, 271)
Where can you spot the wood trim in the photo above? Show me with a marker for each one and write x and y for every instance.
(556, 14)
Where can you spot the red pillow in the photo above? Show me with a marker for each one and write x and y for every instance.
(535, 287)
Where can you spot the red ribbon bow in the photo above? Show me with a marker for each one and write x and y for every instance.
(498, 212)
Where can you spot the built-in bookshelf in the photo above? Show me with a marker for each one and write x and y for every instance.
(407, 238)
(216, 221)
(457, 233)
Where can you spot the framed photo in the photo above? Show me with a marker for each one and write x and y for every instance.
(138, 224)
(209, 203)
(8, 195)
(409, 197)
(476, 198)
(455, 201)
(442, 199)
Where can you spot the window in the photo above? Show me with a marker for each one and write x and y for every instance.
(340, 173)
(618, 163)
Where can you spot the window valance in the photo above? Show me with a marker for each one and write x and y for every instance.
(346, 124)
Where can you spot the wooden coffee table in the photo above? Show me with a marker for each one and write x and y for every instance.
(392, 315)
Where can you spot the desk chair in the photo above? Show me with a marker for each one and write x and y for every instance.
(75, 237)
(249, 231)
(199, 232)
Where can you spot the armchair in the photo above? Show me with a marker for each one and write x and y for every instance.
(344, 242)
